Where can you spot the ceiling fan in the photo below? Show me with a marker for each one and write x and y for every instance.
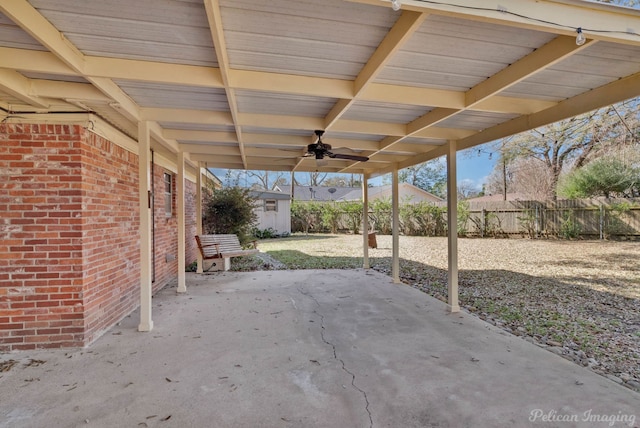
(321, 150)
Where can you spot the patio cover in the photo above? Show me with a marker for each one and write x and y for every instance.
(244, 83)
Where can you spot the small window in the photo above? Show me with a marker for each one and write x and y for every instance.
(270, 205)
(168, 194)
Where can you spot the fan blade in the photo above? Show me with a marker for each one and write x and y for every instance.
(348, 157)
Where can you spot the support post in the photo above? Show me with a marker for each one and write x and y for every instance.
(365, 221)
(452, 226)
(145, 198)
(199, 212)
(182, 285)
(395, 227)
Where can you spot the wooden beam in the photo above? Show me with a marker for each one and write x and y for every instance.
(214, 16)
(153, 71)
(18, 86)
(401, 31)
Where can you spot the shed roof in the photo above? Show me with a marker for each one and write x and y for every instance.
(244, 83)
(404, 190)
(270, 194)
(322, 193)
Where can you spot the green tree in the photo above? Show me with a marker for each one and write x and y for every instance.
(230, 210)
(606, 176)
(430, 176)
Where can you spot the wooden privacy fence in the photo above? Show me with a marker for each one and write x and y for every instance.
(592, 218)
(589, 218)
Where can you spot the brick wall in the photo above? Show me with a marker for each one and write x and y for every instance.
(110, 234)
(41, 298)
(69, 235)
(166, 235)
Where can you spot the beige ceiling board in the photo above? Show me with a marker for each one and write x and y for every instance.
(180, 97)
(186, 116)
(193, 135)
(13, 36)
(177, 30)
(252, 138)
(284, 104)
(24, 15)
(209, 149)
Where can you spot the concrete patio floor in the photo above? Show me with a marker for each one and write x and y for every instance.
(309, 348)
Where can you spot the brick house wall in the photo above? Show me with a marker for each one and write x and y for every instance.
(110, 234)
(69, 236)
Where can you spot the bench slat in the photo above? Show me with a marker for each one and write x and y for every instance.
(221, 246)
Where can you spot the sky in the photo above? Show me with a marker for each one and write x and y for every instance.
(474, 167)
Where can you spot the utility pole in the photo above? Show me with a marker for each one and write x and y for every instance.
(504, 177)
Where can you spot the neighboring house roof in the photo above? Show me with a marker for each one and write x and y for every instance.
(406, 192)
(321, 193)
(269, 194)
(500, 197)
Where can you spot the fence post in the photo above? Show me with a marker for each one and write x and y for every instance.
(483, 222)
(601, 221)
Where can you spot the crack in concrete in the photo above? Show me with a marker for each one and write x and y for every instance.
(335, 356)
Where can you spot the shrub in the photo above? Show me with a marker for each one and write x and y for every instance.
(569, 229)
(380, 215)
(267, 233)
(353, 210)
(306, 216)
(230, 210)
(330, 215)
(422, 219)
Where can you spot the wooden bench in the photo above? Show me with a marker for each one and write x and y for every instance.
(222, 247)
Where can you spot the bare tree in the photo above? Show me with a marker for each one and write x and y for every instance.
(531, 178)
(467, 189)
(265, 180)
(569, 144)
(315, 179)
